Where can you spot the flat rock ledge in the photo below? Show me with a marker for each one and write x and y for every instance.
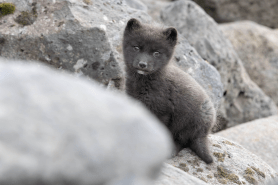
(232, 164)
(259, 136)
(243, 99)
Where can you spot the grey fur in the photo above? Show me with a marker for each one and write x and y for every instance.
(171, 94)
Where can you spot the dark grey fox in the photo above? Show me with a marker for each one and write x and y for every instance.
(171, 94)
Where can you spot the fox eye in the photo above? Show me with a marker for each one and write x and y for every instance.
(156, 54)
(136, 48)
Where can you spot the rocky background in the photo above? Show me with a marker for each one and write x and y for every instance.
(65, 118)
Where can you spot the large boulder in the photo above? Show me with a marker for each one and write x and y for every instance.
(171, 175)
(257, 47)
(262, 12)
(81, 36)
(86, 37)
(188, 59)
(137, 4)
(154, 7)
(243, 99)
(232, 164)
(259, 136)
(58, 129)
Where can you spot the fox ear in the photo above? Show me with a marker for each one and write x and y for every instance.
(171, 35)
(133, 24)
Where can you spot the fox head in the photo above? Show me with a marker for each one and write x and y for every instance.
(147, 49)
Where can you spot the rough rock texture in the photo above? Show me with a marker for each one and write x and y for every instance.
(262, 12)
(232, 164)
(257, 47)
(187, 59)
(259, 136)
(57, 129)
(82, 36)
(137, 4)
(273, 182)
(243, 99)
(86, 37)
(171, 175)
(154, 8)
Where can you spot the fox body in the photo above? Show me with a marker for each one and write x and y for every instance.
(172, 95)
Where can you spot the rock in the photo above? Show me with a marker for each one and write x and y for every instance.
(257, 47)
(187, 59)
(59, 129)
(174, 176)
(259, 136)
(262, 12)
(243, 99)
(137, 4)
(232, 164)
(154, 8)
(81, 36)
(274, 182)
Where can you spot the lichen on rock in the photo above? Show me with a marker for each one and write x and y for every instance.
(216, 145)
(183, 167)
(27, 18)
(203, 179)
(219, 156)
(6, 8)
(88, 2)
(228, 142)
(257, 170)
(200, 170)
(232, 164)
(223, 173)
(249, 171)
(250, 179)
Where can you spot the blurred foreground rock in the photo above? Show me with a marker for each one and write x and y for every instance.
(262, 12)
(57, 129)
(243, 99)
(257, 47)
(232, 164)
(259, 136)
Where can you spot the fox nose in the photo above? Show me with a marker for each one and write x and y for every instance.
(142, 65)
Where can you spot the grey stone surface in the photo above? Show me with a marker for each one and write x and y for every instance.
(262, 12)
(154, 7)
(137, 4)
(171, 175)
(259, 136)
(257, 47)
(273, 182)
(187, 59)
(232, 164)
(243, 99)
(81, 36)
(59, 129)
